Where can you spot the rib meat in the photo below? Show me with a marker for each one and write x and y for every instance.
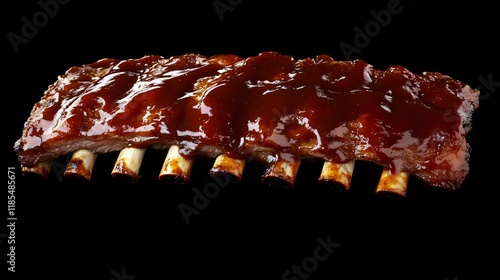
(263, 107)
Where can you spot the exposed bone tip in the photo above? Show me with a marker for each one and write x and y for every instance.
(390, 196)
(334, 185)
(41, 169)
(176, 168)
(277, 182)
(173, 179)
(122, 171)
(128, 164)
(126, 178)
(228, 166)
(338, 176)
(76, 175)
(282, 173)
(81, 164)
(393, 183)
(217, 174)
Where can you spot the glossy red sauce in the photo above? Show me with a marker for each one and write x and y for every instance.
(340, 110)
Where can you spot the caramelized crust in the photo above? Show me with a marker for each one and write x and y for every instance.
(265, 107)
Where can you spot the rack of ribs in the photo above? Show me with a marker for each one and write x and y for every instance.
(270, 108)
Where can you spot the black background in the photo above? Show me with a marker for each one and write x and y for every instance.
(71, 229)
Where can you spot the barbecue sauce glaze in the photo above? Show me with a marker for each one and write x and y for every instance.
(335, 110)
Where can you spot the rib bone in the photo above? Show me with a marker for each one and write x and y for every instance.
(128, 163)
(393, 183)
(337, 174)
(283, 172)
(176, 168)
(81, 164)
(231, 166)
(42, 169)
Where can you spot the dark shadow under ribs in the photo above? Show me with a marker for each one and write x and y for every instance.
(268, 107)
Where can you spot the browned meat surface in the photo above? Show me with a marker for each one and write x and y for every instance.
(259, 107)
